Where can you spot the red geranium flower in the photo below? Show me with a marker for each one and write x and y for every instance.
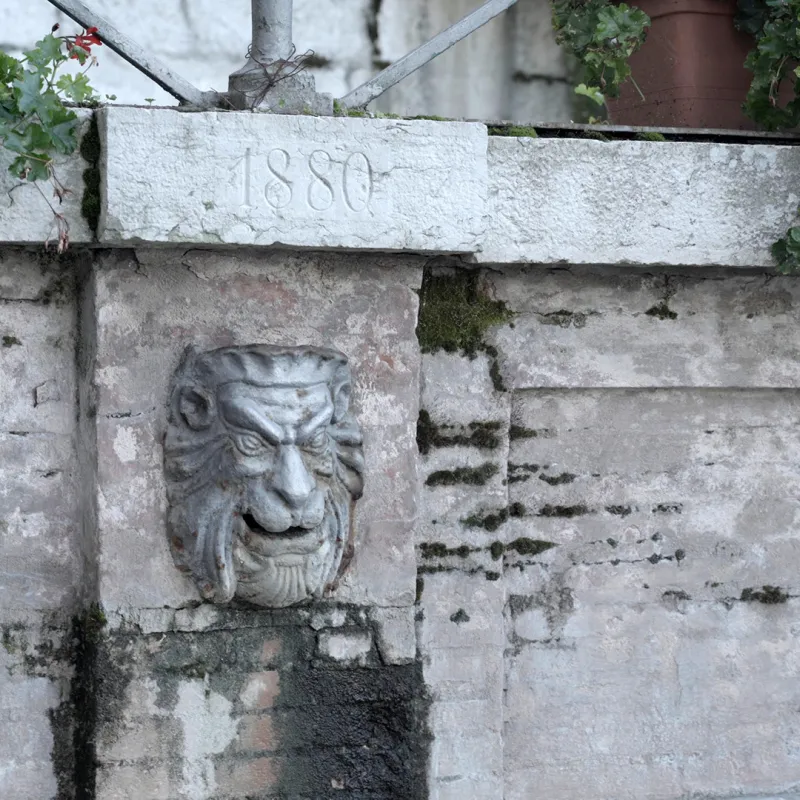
(86, 39)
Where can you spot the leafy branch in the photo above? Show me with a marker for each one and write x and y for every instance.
(35, 123)
(602, 35)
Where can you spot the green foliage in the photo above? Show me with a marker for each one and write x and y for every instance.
(35, 123)
(774, 60)
(602, 35)
(774, 63)
(786, 251)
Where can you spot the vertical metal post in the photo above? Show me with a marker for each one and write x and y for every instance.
(272, 79)
(272, 29)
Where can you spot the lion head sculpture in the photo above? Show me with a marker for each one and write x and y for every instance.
(264, 463)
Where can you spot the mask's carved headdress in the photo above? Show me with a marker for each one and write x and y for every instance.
(263, 463)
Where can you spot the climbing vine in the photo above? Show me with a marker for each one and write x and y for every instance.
(36, 124)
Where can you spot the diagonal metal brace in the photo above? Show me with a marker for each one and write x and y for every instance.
(410, 63)
(134, 54)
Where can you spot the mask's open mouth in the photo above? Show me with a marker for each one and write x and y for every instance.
(254, 527)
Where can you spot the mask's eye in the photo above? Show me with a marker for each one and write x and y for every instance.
(250, 444)
(317, 442)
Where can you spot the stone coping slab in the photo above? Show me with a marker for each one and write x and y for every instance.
(299, 181)
(237, 178)
(580, 201)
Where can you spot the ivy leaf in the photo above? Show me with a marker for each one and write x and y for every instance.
(751, 16)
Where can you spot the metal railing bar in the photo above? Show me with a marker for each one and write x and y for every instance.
(272, 29)
(134, 54)
(410, 63)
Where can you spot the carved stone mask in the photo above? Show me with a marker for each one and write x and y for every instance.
(263, 463)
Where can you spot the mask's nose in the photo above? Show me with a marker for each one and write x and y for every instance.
(291, 480)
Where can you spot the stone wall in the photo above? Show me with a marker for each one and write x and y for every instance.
(575, 557)
(121, 684)
(40, 519)
(511, 69)
(607, 541)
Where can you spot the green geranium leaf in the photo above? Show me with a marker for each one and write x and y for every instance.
(592, 92)
(31, 167)
(46, 52)
(61, 128)
(75, 87)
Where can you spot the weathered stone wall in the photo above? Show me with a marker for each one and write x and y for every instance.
(511, 69)
(121, 684)
(40, 519)
(575, 556)
(607, 540)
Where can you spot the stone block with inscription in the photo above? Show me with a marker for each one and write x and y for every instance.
(302, 181)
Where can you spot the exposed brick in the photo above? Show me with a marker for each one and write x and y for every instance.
(257, 733)
(261, 690)
(270, 652)
(254, 776)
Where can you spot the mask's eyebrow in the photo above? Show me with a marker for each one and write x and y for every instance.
(308, 427)
(245, 414)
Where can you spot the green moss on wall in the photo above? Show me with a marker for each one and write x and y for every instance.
(477, 434)
(441, 550)
(661, 311)
(530, 547)
(523, 131)
(472, 476)
(768, 595)
(90, 151)
(455, 313)
(563, 511)
(558, 480)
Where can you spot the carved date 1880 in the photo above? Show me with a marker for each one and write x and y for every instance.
(315, 181)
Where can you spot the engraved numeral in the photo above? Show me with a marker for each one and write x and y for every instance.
(316, 182)
(320, 191)
(357, 182)
(279, 192)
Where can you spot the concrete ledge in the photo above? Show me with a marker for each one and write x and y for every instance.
(24, 215)
(580, 201)
(301, 181)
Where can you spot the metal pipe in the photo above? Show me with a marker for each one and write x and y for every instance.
(134, 54)
(272, 29)
(401, 69)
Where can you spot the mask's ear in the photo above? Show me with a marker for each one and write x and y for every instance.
(341, 387)
(191, 402)
(196, 406)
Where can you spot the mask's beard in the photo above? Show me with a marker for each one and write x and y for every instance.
(278, 570)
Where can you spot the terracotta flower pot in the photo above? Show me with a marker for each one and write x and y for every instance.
(690, 70)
